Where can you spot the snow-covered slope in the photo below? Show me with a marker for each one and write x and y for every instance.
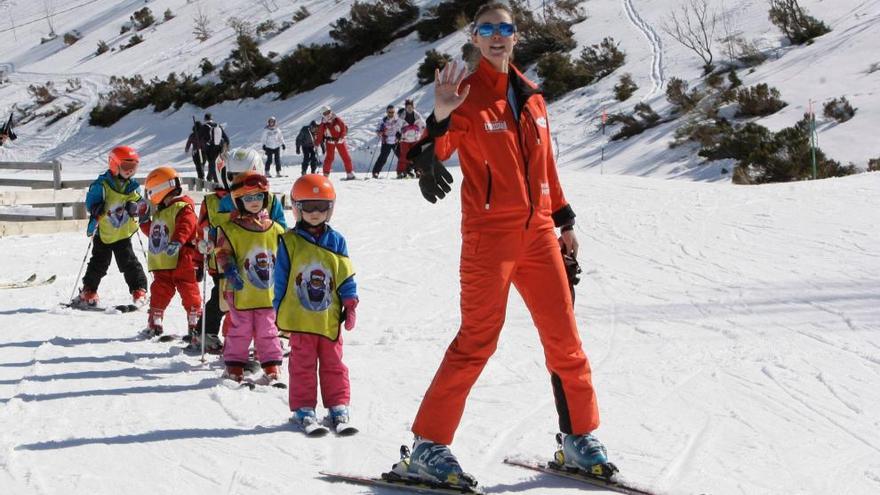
(835, 65)
(732, 333)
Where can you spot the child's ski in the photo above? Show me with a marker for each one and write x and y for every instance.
(390, 480)
(28, 282)
(313, 430)
(119, 308)
(345, 429)
(147, 334)
(610, 482)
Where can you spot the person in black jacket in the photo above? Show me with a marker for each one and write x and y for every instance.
(197, 144)
(216, 141)
(305, 141)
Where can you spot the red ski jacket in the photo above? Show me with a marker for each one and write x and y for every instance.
(510, 178)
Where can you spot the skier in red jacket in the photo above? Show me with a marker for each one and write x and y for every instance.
(512, 202)
(332, 131)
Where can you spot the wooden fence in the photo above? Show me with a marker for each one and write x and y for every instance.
(56, 192)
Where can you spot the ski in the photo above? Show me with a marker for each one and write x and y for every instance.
(119, 308)
(391, 480)
(313, 430)
(146, 334)
(28, 282)
(345, 430)
(611, 482)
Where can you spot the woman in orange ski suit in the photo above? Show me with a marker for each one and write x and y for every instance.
(511, 202)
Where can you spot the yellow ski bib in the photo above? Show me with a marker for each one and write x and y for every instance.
(311, 303)
(254, 254)
(161, 231)
(115, 224)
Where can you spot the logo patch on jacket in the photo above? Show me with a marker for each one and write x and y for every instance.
(542, 122)
(545, 189)
(497, 126)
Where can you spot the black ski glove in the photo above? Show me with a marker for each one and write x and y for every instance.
(284, 146)
(97, 209)
(200, 272)
(434, 180)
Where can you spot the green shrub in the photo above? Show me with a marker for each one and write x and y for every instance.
(758, 101)
(142, 19)
(308, 67)
(168, 15)
(559, 75)
(134, 40)
(371, 26)
(602, 59)
(301, 14)
(625, 87)
(677, 94)
(874, 165)
(774, 157)
(103, 47)
(206, 66)
(444, 18)
(839, 109)
(266, 28)
(643, 118)
(433, 60)
(71, 37)
(537, 38)
(43, 94)
(794, 22)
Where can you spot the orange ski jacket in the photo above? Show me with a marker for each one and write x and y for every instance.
(510, 179)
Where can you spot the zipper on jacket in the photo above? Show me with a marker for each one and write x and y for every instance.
(489, 184)
(525, 110)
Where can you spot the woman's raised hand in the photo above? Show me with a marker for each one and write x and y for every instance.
(447, 96)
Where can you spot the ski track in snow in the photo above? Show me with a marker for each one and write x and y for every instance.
(650, 34)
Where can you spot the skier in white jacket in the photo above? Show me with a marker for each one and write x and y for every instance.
(273, 143)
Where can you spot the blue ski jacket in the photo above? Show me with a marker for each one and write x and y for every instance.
(95, 196)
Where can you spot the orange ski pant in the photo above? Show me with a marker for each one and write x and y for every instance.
(490, 262)
(343, 153)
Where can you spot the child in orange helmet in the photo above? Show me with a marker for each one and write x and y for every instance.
(172, 255)
(246, 247)
(114, 201)
(315, 294)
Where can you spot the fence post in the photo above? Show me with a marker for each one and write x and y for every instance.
(56, 185)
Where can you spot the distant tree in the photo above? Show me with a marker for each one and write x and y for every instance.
(625, 87)
(201, 24)
(433, 60)
(794, 22)
(694, 27)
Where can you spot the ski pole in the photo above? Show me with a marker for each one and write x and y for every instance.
(83, 265)
(204, 292)
(373, 152)
(144, 251)
(391, 164)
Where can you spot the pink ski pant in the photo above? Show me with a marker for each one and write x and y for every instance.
(306, 352)
(252, 324)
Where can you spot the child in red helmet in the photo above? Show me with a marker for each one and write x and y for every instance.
(114, 201)
(246, 247)
(315, 294)
(172, 256)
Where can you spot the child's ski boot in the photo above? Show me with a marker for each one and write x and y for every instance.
(306, 418)
(87, 297)
(584, 453)
(434, 464)
(341, 421)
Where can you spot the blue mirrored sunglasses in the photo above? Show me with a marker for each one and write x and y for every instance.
(253, 197)
(487, 29)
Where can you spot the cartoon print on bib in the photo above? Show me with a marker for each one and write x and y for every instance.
(259, 266)
(315, 287)
(117, 215)
(158, 237)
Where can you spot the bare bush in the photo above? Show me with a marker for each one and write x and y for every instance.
(693, 25)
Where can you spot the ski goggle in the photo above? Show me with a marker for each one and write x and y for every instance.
(487, 29)
(314, 205)
(250, 198)
(128, 165)
(258, 181)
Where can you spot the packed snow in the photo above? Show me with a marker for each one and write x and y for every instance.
(732, 331)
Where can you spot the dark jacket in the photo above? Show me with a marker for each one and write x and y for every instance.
(306, 138)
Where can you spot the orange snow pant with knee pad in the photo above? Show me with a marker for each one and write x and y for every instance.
(530, 259)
